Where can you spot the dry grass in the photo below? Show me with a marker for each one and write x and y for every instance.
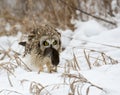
(71, 65)
(58, 13)
(77, 83)
(100, 59)
(93, 59)
(11, 65)
(37, 88)
(12, 55)
(87, 57)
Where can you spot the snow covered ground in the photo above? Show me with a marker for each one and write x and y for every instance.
(89, 64)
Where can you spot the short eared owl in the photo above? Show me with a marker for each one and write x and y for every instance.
(43, 46)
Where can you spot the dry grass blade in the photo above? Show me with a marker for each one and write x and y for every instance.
(87, 91)
(76, 64)
(72, 88)
(11, 92)
(87, 59)
(97, 87)
(67, 67)
(10, 82)
(95, 63)
(103, 56)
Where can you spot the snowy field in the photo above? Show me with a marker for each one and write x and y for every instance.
(89, 64)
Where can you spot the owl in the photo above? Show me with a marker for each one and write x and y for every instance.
(43, 45)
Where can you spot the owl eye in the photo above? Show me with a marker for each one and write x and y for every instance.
(45, 43)
(55, 42)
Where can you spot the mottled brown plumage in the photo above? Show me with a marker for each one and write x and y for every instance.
(43, 46)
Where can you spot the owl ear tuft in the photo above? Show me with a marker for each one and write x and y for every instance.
(22, 43)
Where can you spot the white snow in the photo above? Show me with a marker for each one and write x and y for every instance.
(65, 37)
(87, 36)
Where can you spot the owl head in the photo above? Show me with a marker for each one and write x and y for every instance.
(44, 45)
(42, 39)
(48, 37)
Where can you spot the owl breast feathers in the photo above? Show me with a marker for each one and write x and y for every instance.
(43, 46)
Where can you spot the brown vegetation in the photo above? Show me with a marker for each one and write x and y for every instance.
(55, 12)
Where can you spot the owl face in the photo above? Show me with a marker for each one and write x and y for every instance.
(49, 41)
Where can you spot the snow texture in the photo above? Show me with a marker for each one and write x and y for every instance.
(87, 36)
